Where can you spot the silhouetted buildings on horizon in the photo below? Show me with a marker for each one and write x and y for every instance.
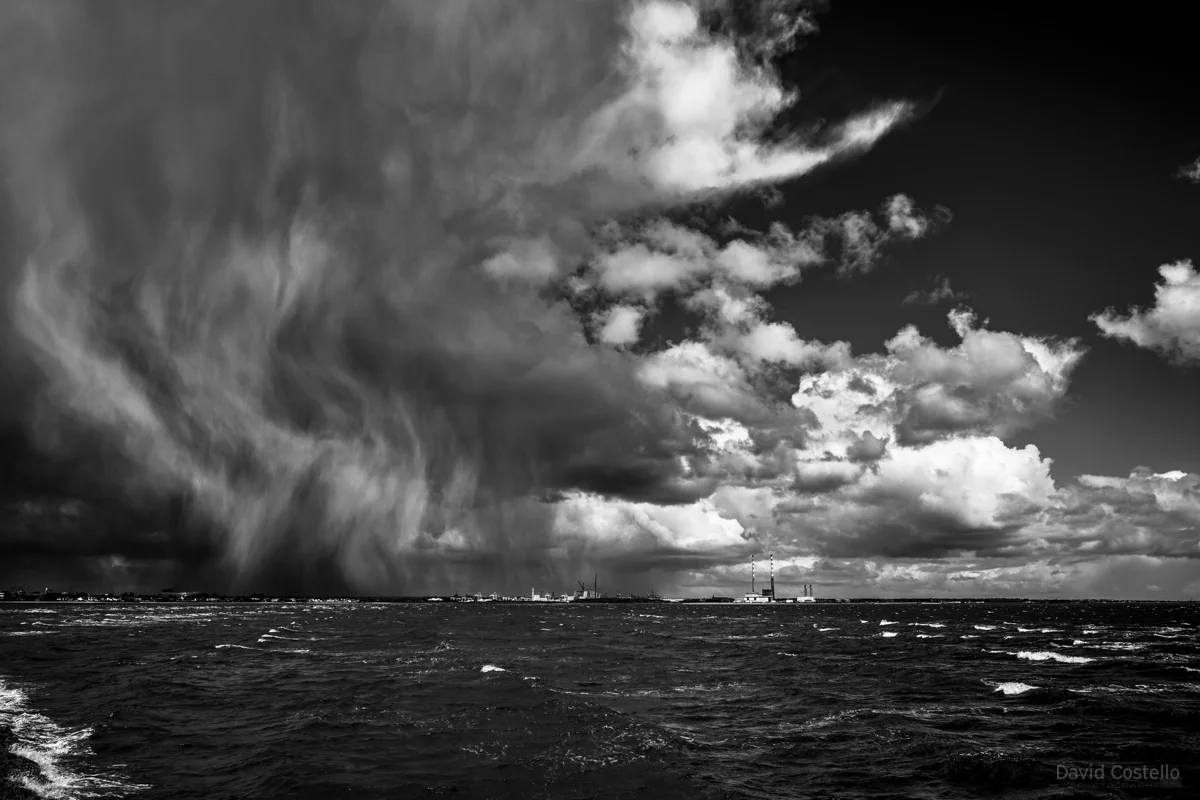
(178, 597)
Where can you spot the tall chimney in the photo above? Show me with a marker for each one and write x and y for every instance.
(772, 577)
(751, 576)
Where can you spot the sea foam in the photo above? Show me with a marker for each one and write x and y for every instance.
(1012, 687)
(48, 745)
(1042, 655)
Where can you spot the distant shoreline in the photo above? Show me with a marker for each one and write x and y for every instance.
(158, 601)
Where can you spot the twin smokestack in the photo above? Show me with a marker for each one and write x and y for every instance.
(808, 592)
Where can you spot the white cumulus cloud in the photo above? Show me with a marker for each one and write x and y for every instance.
(1172, 326)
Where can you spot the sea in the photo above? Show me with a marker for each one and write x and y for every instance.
(583, 701)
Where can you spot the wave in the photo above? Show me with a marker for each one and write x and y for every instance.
(828, 629)
(929, 635)
(928, 624)
(492, 668)
(1116, 646)
(1011, 687)
(1044, 655)
(985, 627)
(887, 622)
(48, 746)
(888, 634)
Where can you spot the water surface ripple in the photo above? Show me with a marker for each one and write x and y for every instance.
(592, 701)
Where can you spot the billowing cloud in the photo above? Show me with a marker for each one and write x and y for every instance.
(1146, 513)
(992, 383)
(643, 537)
(892, 455)
(1172, 326)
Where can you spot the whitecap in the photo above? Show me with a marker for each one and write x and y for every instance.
(889, 634)
(828, 629)
(929, 635)
(238, 646)
(1043, 655)
(887, 622)
(928, 624)
(1127, 646)
(42, 741)
(1013, 687)
(985, 627)
(492, 668)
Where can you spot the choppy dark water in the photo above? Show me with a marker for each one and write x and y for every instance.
(593, 701)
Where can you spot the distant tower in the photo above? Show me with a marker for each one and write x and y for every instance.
(772, 577)
(752, 577)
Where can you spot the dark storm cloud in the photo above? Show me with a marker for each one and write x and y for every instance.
(238, 251)
(281, 274)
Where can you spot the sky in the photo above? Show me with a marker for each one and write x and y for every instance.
(404, 298)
